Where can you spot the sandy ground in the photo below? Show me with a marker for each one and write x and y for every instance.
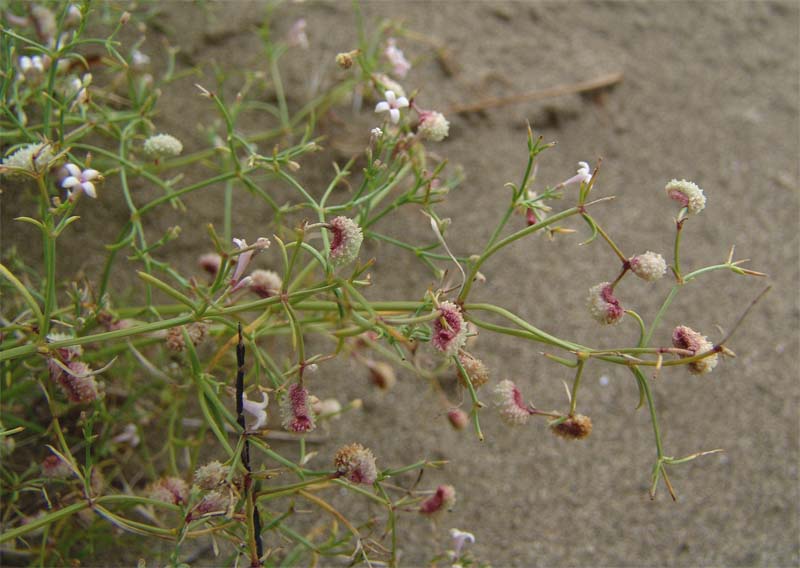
(710, 93)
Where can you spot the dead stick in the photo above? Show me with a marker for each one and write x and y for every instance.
(557, 91)
(246, 448)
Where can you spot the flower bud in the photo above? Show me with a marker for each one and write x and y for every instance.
(442, 500)
(458, 418)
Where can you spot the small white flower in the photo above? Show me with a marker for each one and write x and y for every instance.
(73, 17)
(130, 435)
(375, 134)
(257, 410)
(392, 105)
(31, 67)
(139, 60)
(396, 57)
(583, 175)
(80, 181)
(79, 89)
(459, 538)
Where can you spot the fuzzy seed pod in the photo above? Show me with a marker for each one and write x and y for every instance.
(214, 503)
(345, 241)
(169, 490)
(210, 262)
(449, 329)
(574, 428)
(356, 463)
(603, 305)
(381, 374)
(211, 475)
(76, 380)
(33, 158)
(265, 283)
(475, 368)
(688, 194)
(196, 331)
(508, 399)
(649, 266)
(433, 126)
(296, 410)
(163, 146)
(442, 500)
(684, 337)
(55, 468)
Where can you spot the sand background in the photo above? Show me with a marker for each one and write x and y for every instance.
(710, 93)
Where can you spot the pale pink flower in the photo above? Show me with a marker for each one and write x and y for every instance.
(297, 34)
(243, 260)
(392, 105)
(459, 539)
(396, 57)
(583, 175)
(257, 410)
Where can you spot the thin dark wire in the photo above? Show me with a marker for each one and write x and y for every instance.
(246, 445)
